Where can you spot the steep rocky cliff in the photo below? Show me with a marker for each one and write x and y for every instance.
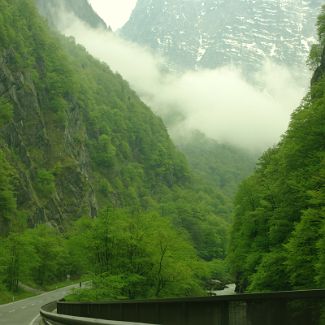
(73, 136)
(80, 8)
(34, 147)
(212, 33)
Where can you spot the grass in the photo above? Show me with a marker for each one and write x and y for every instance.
(7, 296)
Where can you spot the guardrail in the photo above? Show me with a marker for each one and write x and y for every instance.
(279, 308)
(49, 317)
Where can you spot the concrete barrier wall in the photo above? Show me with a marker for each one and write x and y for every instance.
(287, 308)
(52, 318)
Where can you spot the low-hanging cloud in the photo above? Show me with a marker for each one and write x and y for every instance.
(219, 103)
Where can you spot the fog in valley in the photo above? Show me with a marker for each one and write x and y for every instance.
(220, 103)
(134, 173)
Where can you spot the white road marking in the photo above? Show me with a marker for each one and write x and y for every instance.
(23, 307)
(11, 311)
(34, 320)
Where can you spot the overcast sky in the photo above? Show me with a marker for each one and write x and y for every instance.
(114, 12)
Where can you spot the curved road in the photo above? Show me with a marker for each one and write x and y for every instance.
(26, 312)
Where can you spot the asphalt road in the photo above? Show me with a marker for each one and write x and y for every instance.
(26, 312)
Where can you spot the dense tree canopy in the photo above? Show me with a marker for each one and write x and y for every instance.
(277, 239)
(76, 141)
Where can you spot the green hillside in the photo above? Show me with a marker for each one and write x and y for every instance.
(79, 151)
(218, 165)
(80, 8)
(278, 235)
(223, 166)
(73, 132)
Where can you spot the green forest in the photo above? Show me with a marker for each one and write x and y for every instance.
(278, 233)
(77, 142)
(93, 188)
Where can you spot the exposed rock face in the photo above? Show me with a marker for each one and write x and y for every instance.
(212, 33)
(80, 8)
(29, 142)
(320, 71)
(74, 137)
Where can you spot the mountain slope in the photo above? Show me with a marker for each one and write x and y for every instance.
(209, 33)
(76, 140)
(73, 137)
(278, 236)
(80, 8)
(90, 182)
(221, 165)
